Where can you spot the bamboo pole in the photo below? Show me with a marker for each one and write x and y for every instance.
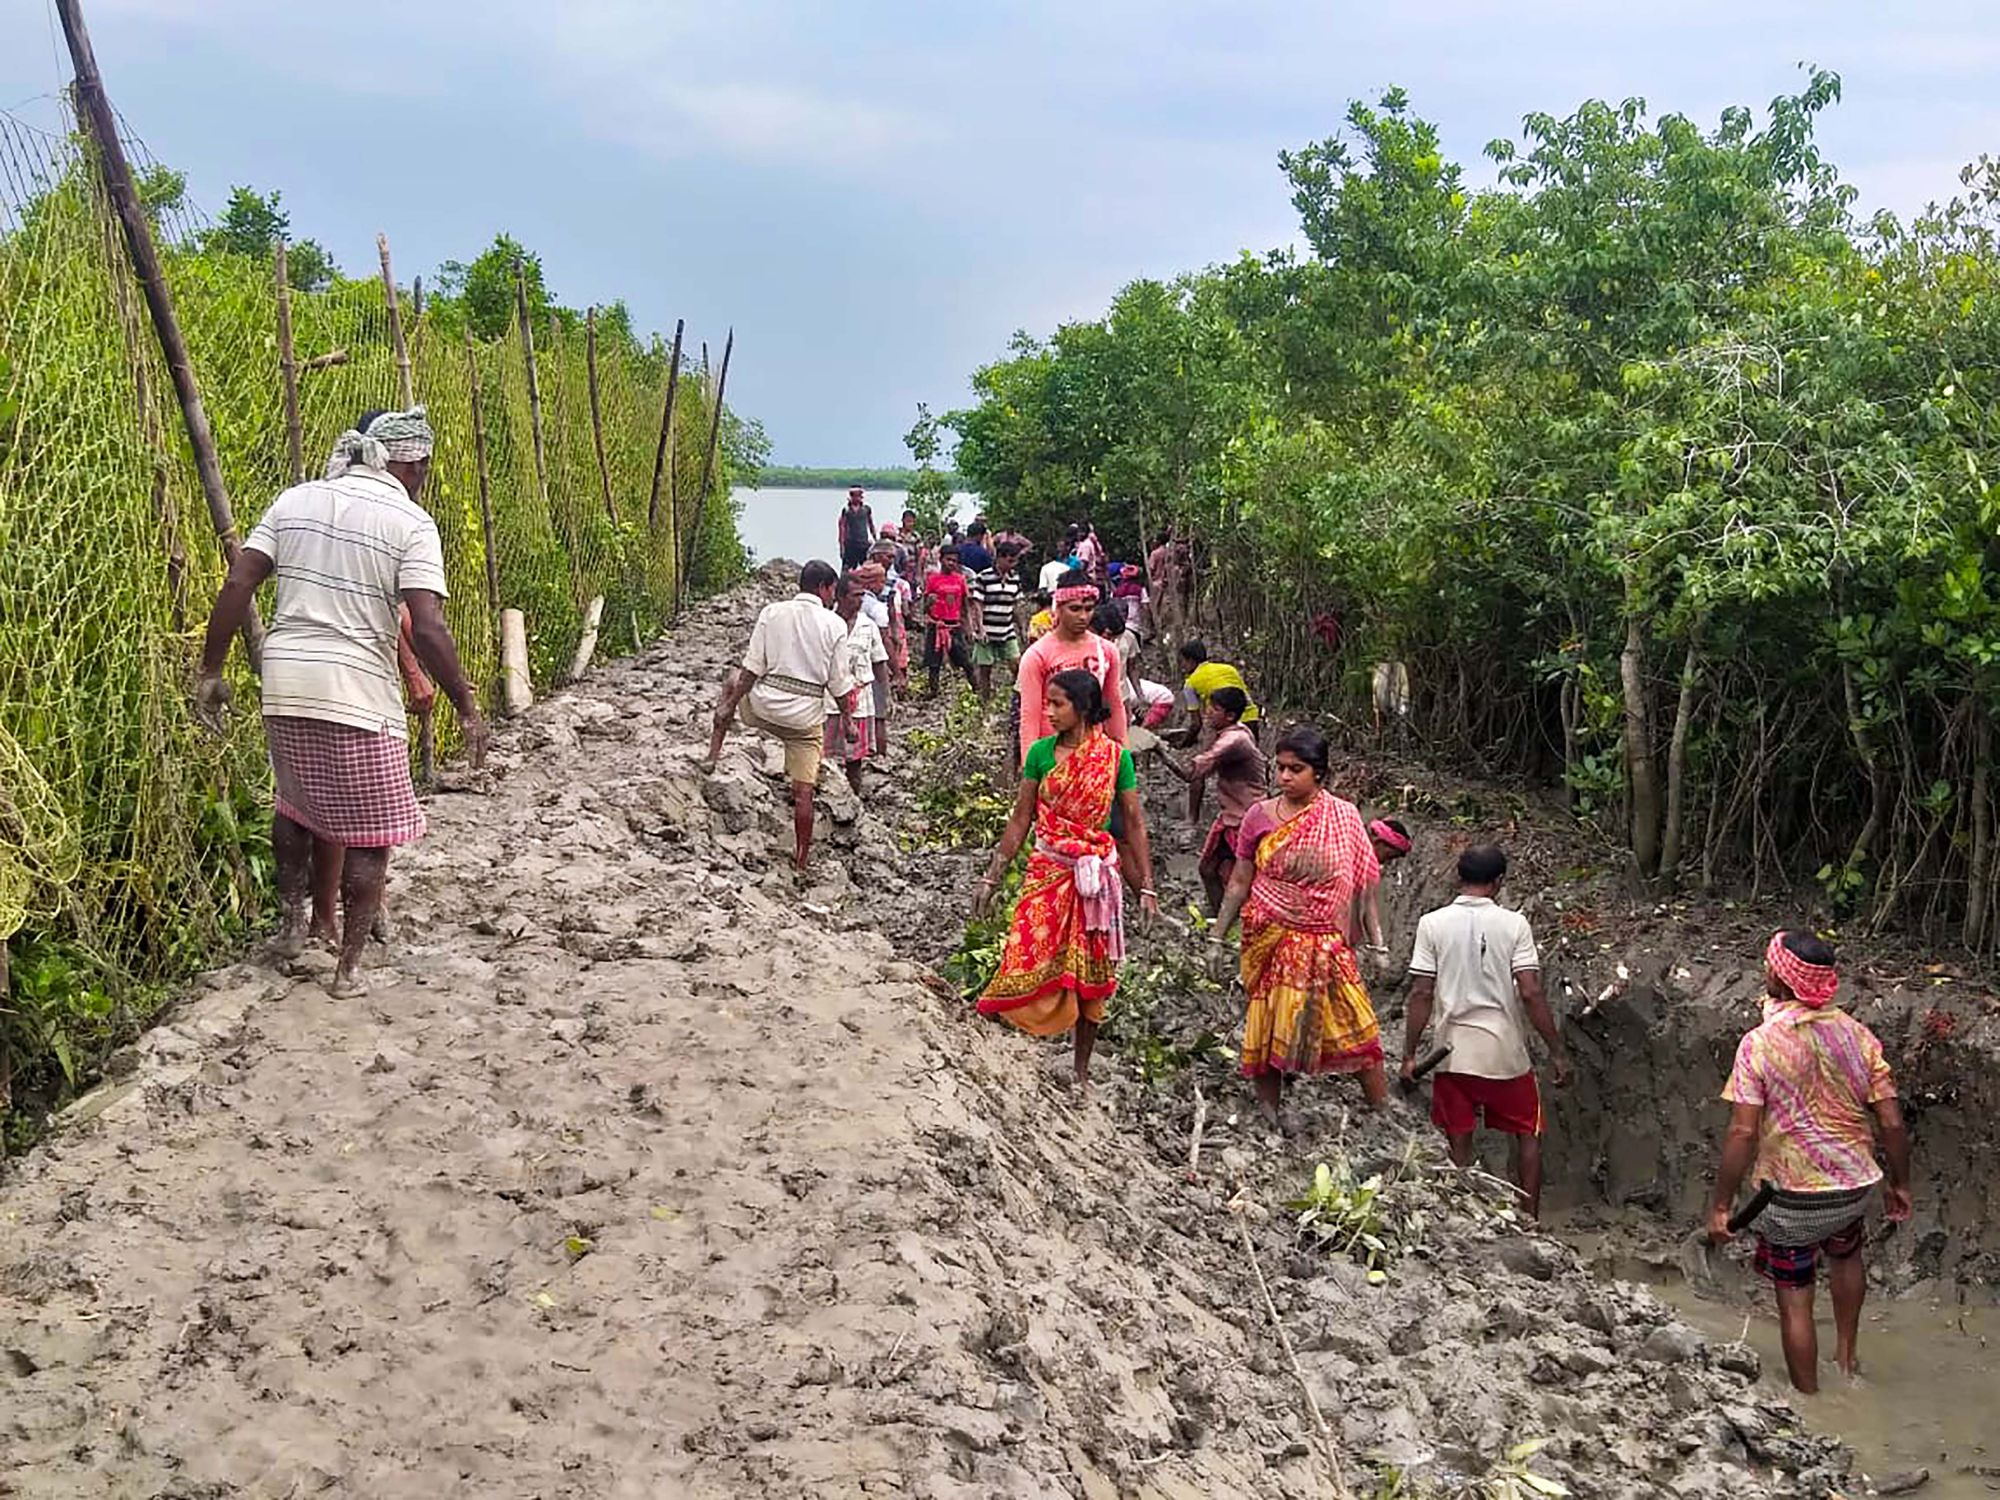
(534, 385)
(149, 429)
(485, 495)
(708, 461)
(417, 320)
(396, 324)
(597, 413)
(288, 373)
(117, 173)
(666, 438)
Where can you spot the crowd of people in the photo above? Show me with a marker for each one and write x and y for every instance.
(359, 579)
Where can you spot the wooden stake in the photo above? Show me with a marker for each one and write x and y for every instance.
(534, 386)
(149, 428)
(417, 320)
(288, 373)
(518, 693)
(1327, 1448)
(708, 462)
(597, 413)
(396, 324)
(117, 172)
(666, 438)
(485, 494)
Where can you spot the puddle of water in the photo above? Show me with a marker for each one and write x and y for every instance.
(1929, 1396)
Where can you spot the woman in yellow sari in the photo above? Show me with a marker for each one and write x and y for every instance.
(1061, 960)
(1304, 868)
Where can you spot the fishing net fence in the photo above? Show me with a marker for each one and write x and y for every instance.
(130, 838)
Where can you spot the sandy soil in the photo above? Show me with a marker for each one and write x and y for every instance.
(643, 1173)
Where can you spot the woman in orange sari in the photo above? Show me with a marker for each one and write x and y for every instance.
(1060, 964)
(1304, 867)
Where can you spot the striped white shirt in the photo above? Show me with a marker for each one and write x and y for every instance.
(343, 551)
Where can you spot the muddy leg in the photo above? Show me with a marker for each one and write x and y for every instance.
(361, 881)
(1086, 1040)
(1375, 1087)
(1850, 1288)
(802, 822)
(1528, 1172)
(1270, 1092)
(327, 858)
(1214, 881)
(1800, 1338)
(1460, 1149)
(854, 776)
(292, 848)
(733, 688)
(982, 682)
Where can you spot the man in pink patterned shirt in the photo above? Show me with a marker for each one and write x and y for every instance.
(1810, 1091)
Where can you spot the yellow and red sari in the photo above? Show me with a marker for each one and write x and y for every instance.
(1068, 937)
(1309, 1011)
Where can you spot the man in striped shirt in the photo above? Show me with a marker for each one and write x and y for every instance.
(995, 623)
(345, 551)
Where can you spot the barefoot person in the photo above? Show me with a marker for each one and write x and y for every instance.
(797, 659)
(995, 618)
(1302, 861)
(1810, 1091)
(1236, 766)
(855, 531)
(1061, 960)
(344, 550)
(1475, 962)
(851, 739)
(1070, 646)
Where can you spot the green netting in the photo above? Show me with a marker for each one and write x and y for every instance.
(126, 833)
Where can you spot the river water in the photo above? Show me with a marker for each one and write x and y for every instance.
(1929, 1392)
(799, 523)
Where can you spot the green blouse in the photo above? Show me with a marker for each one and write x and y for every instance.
(1042, 760)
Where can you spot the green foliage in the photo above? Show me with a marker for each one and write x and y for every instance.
(1366, 1221)
(485, 287)
(929, 487)
(251, 226)
(1653, 401)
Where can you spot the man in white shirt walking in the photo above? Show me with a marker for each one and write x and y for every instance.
(797, 659)
(345, 551)
(1475, 962)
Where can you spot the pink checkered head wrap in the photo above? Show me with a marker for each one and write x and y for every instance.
(1075, 592)
(1811, 984)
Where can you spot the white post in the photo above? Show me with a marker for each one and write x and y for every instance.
(518, 693)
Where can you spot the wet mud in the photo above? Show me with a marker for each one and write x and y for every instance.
(644, 1170)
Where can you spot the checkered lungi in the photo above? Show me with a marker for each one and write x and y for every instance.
(347, 785)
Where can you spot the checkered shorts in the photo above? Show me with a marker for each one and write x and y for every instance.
(347, 785)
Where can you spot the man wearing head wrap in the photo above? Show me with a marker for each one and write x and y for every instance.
(1810, 1091)
(345, 550)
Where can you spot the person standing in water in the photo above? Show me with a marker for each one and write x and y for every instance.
(1476, 963)
(1060, 964)
(1809, 1094)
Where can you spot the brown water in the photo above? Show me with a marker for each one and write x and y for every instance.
(1929, 1392)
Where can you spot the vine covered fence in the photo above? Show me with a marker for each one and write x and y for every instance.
(133, 845)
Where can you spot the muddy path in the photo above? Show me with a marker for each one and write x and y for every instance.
(642, 1172)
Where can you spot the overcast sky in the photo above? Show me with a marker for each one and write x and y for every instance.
(877, 194)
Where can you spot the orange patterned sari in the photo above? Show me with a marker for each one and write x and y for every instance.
(1068, 938)
(1309, 1011)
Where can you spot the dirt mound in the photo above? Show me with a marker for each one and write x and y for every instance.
(643, 1172)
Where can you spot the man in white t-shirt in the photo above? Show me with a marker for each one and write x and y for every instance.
(1476, 963)
(345, 551)
(796, 659)
(868, 660)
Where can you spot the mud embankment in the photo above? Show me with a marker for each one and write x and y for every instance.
(644, 1171)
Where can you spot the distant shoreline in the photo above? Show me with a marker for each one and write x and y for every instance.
(798, 477)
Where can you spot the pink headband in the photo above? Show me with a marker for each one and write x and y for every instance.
(1812, 984)
(1075, 592)
(1389, 836)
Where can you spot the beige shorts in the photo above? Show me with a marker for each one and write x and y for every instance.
(802, 746)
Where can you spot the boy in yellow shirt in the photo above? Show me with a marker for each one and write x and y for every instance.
(1203, 678)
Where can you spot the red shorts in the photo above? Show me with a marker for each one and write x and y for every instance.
(1510, 1105)
(1798, 1265)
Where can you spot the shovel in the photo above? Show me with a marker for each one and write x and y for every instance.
(1424, 1064)
(1695, 1262)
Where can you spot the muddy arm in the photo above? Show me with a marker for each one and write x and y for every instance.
(1895, 1141)
(1423, 991)
(1739, 1154)
(1233, 898)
